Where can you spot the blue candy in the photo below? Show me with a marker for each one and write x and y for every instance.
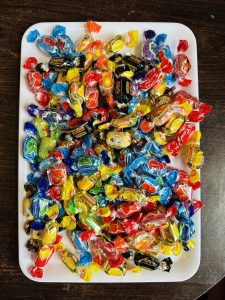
(48, 45)
(37, 224)
(65, 45)
(160, 39)
(60, 89)
(30, 129)
(46, 164)
(30, 152)
(32, 36)
(87, 142)
(165, 194)
(170, 79)
(58, 30)
(77, 242)
(39, 206)
(105, 157)
(33, 110)
(171, 177)
(88, 165)
(85, 258)
(186, 229)
(49, 80)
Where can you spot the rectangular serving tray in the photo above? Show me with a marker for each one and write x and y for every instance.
(186, 265)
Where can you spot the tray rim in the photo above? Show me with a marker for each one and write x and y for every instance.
(21, 123)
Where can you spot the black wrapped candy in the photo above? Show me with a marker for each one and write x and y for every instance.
(123, 90)
(135, 63)
(166, 264)
(63, 64)
(146, 261)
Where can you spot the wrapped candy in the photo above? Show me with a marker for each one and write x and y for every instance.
(98, 145)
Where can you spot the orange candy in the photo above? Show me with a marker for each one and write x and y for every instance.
(93, 27)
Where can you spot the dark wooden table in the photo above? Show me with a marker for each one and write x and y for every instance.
(206, 19)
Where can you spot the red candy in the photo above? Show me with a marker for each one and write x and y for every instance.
(30, 63)
(153, 219)
(184, 82)
(181, 65)
(36, 272)
(55, 193)
(43, 262)
(87, 235)
(43, 98)
(151, 79)
(182, 46)
(57, 174)
(199, 115)
(127, 209)
(34, 81)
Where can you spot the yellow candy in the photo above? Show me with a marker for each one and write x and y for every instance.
(127, 74)
(41, 126)
(27, 208)
(115, 272)
(173, 124)
(197, 158)
(72, 74)
(35, 234)
(68, 189)
(160, 137)
(86, 275)
(83, 207)
(69, 260)
(125, 122)
(44, 252)
(111, 65)
(89, 59)
(94, 267)
(111, 192)
(129, 194)
(59, 247)
(191, 244)
(49, 235)
(104, 126)
(108, 170)
(54, 102)
(132, 38)
(166, 250)
(136, 269)
(177, 248)
(187, 107)
(153, 199)
(84, 44)
(68, 222)
(160, 88)
(86, 183)
(194, 176)
(195, 138)
(142, 110)
(174, 231)
(104, 211)
(118, 140)
(116, 44)
(53, 211)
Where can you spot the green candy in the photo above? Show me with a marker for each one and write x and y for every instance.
(47, 144)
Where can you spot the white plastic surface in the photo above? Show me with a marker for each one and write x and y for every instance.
(184, 266)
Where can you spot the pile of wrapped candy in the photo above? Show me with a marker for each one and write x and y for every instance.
(99, 147)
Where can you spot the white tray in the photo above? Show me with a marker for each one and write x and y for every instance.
(184, 266)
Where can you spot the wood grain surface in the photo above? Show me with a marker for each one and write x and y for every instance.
(206, 19)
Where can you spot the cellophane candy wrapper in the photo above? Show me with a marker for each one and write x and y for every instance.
(99, 143)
